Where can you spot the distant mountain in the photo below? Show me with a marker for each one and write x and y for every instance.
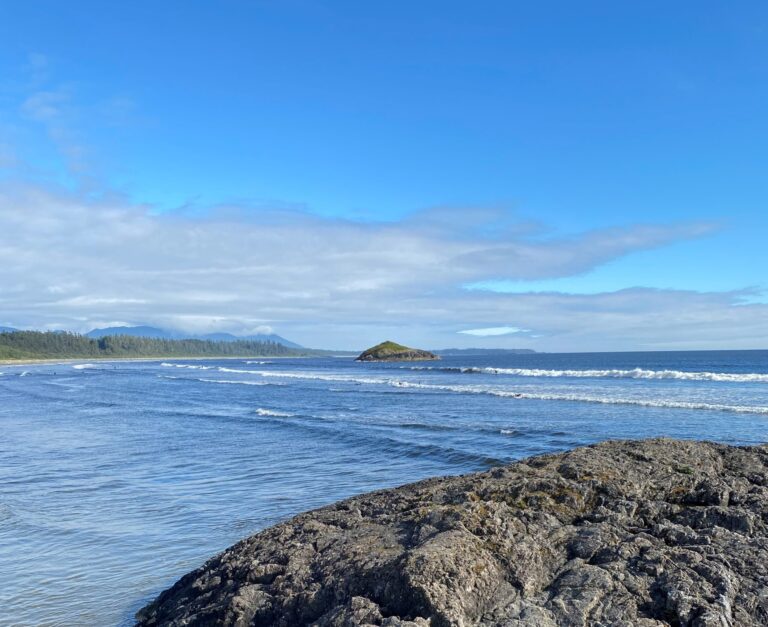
(141, 331)
(259, 337)
(484, 351)
(166, 334)
(7, 329)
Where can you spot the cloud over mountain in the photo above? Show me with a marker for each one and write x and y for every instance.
(71, 260)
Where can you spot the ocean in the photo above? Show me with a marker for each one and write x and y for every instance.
(116, 478)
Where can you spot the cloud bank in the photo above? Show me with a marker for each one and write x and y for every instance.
(69, 260)
(493, 331)
(78, 260)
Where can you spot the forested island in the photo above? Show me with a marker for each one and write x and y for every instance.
(64, 345)
(392, 351)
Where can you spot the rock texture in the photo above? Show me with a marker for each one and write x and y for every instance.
(650, 533)
(392, 351)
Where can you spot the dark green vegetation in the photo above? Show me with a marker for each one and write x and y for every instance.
(53, 345)
(390, 346)
(392, 351)
(175, 334)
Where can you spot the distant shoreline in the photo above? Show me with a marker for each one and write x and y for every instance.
(73, 360)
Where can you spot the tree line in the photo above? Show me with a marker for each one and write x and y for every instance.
(56, 345)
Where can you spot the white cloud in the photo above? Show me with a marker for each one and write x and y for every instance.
(74, 261)
(69, 260)
(493, 331)
(45, 106)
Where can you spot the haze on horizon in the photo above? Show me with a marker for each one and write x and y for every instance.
(562, 177)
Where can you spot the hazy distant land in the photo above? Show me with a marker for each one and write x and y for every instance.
(34, 345)
(484, 351)
(142, 342)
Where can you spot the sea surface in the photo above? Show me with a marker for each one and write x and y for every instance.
(116, 478)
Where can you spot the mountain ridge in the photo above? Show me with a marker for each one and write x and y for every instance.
(172, 334)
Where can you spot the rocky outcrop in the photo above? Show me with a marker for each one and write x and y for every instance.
(392, 351)
(650, 533)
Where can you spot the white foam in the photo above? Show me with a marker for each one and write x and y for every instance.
(258, 363)
(463, 369)
(578, 398)
(83, 366)
(190, 366)
(320, 377)
(271, 412)
(222, 381)
(634, 373)
(467, 389)
(24, 374)
(227, 382)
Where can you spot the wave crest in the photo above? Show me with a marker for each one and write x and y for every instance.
(272, 412)
(578, 398)
(634, 373)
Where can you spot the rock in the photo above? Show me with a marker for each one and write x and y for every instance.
(391, 351)
(649, 533)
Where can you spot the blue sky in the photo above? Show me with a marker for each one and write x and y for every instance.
(559, 119)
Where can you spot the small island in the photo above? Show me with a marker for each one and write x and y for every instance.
(392, 351)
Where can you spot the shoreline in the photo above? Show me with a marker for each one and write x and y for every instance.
(71, 360)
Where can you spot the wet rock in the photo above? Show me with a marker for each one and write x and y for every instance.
(651, 533)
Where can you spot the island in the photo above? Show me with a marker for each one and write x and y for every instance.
(645, 533)
(392, 351)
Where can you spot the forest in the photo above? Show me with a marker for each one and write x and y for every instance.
(63, 345)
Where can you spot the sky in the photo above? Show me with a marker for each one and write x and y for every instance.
(554, 175)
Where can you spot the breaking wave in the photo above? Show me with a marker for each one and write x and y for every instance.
(578, 398)
(190, 366)
(339, 378)
(222, 381)
(271, 412)
(468, 389)
(634, 373)
(227, 382)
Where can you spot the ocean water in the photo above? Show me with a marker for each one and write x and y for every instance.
(117, 478)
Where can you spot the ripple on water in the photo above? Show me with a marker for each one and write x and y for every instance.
(114, 483)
